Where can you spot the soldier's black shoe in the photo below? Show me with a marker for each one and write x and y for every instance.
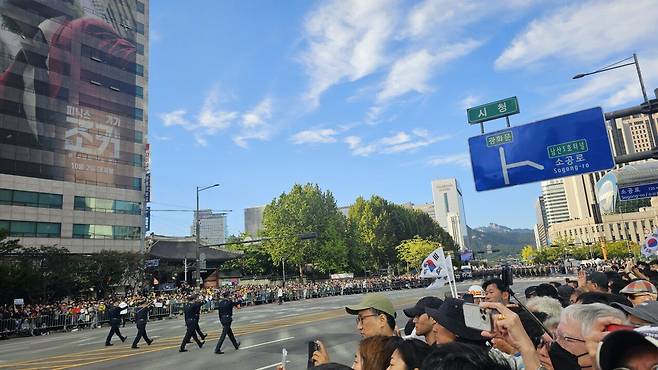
(134, 347)
(124, 339)
(149, 342)
(108, 344)
(238, 346)
(203, 337)
(202, 343)
(219, 352)
(182, 350)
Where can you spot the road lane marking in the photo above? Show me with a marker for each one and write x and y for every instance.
(270, 366)
(265, 343)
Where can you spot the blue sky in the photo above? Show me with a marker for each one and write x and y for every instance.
(368, 97)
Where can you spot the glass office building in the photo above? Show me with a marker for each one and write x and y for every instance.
(73, 123)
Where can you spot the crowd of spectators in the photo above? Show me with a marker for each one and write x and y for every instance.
(605, 319)
(75, 314)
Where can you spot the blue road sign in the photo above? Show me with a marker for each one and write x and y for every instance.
(638, 191)
(562, 146)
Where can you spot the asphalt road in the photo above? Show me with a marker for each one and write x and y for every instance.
(263, 330)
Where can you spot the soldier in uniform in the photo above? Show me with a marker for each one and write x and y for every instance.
(114, 311)
(190, 323)
(141, 318)
(225, 309)
(197, 314)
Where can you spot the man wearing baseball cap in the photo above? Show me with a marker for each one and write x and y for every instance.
(449, 326)
(375, 315)
(597, 282)
(640, 291)
(423, 324)
(629, 349)
(642, 314)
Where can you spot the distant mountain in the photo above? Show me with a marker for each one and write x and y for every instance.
(508, 241)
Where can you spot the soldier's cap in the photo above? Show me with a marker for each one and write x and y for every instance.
(647, 311)
(375, 301)
(419, 308)
(639, 287)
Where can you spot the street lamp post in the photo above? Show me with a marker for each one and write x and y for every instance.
(652, 128)
(197, 223)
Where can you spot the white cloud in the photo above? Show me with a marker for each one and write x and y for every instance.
(412, 73)
(585, 31)
(346, 41)
(315, 136)
(175, 118)
(211, 118)
(462, 160)
(397, 143)
(469, 101)
(445, 15)
(255, 124)
(259, 114)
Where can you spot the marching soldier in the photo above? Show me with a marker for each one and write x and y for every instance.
(115, 320)
(197, 314)
(141, 318)
(190, 323)
(225, 309)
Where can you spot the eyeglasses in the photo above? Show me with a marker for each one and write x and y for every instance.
(359, 319)
(559, 336)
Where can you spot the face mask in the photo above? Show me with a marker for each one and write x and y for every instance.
(563, 359)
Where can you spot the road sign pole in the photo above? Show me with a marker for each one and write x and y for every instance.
(507, 119)
(482, 127)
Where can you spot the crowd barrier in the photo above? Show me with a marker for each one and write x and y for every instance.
(66, 322)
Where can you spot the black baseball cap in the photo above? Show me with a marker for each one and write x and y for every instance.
(419, 308)
(451, 316)
(598, 278)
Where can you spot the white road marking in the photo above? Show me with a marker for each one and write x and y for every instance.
(265, 343)
(270, 366)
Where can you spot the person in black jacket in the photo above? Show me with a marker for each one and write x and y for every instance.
(197, 314)
(141, 318)
(225, 309)
(114, 312)
(190, 323)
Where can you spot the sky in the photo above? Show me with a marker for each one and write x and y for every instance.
(368, 97)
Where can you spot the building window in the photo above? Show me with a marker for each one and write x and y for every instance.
(139, 91)
(31, 229)
(140, 48)
(30, 199)
(139, 70)
(139, 137)
(140, 7)
(106, 205)
(139, 114)
(139, 27)
(114, 232)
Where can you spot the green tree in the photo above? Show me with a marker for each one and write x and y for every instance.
(306, 209)
(414, 251)
(528, 254)
(255, 259)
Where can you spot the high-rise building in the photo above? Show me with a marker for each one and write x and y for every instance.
(449, 210)
(213, 228)
(253, 220)
(555, 201)
(73, 123)
(541, 237)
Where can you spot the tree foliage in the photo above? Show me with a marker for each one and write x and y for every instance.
(306, 208)
(46, 273)
(528, 254)
(254, 261)
(413, 251)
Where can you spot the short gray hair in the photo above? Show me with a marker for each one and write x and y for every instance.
(550, 306)
(586, 315)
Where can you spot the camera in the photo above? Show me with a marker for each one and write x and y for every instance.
(507, 276)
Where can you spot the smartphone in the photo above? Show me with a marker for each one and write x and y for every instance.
(312, 347)
(477, 318)
(615, 327)
(284, 358)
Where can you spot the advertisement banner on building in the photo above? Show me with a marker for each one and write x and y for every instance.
(71, 101)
